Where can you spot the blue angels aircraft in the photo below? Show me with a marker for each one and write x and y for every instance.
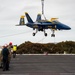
(43, 24)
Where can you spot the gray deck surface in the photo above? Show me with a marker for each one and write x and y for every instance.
(41, 65)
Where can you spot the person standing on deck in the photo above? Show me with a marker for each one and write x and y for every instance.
(5, 55)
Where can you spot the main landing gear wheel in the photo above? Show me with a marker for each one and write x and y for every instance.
(33, 34)
(45, 34)
(52, 35)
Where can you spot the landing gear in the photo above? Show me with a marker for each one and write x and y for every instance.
(52, 35)
(33, 34)
(45, 34)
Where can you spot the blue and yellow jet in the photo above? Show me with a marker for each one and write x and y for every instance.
(42, 25)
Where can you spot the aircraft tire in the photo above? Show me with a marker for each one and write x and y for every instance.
(45, 34)
(52, 35)
(33, 34)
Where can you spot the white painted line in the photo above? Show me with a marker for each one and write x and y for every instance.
(45, 54)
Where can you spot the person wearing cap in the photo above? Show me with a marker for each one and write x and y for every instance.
(10, 46)
(5, 54)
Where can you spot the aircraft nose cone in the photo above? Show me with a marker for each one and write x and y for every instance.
(68, 28)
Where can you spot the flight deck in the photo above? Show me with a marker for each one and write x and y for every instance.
(41, 65)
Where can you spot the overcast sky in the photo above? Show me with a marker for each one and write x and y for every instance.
(11, 10)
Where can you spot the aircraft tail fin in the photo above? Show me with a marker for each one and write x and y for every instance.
(22, 21)
(38, 17)
(28, 18)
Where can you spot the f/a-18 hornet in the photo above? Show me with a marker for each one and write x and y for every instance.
(43, 24)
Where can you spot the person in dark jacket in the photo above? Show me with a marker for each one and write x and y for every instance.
(5, 54)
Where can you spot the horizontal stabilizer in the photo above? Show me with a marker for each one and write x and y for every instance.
(20, 25)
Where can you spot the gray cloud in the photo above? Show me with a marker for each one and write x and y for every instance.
(11, 10)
